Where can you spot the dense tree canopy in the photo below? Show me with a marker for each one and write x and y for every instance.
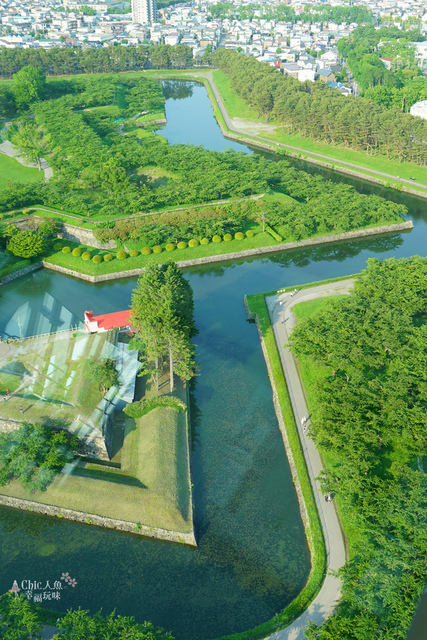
(370, 421)
(34, 454)
(403, 84)
(72, 60)
(316, 111)
(20, 620)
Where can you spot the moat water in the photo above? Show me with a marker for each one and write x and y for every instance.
(252, 557)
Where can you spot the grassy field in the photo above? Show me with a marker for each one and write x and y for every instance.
(237, 108)
(152, 487)
(11, 169)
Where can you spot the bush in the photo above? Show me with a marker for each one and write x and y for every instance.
(121, 255)
(66, 250)
(239, 235)
(204, 241)
(170, 247)
(77, 252)
(97, 259)
(182, 245)
(216, 239)
(108, 257)
(193, 243)
(26, 244)
(157, 249)
(57, 246)
(273, 233)
(228, 237)
(133, 253)
(145, 251)
(141, 407)
(86, 255)
(250, 233)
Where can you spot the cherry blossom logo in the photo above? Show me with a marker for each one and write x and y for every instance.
(68, 579)
(15, 589)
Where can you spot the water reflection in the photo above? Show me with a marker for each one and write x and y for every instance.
(177, 89)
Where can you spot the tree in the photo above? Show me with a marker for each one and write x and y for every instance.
(29, 86)
(30, 141)
(80, 625)
(27, 244)
(104, 373)
(34, 454)
(162, 314)
(19, 619)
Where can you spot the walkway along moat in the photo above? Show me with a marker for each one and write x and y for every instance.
(252, 557)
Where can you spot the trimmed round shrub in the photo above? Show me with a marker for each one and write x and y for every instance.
(193, 243)
(250, 233)
(204, 241)
(77, 252)
(170, 247)
(216, 239)
(157, 249)
(86, 255)
(121, 255)
(97, 259)
(239, 235)
(228, 237)
(133, 253)
(182, 245)
(66, 250)
(108, 257)
(57, 246)
(145, 251)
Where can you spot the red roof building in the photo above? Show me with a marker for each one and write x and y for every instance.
(118, 320)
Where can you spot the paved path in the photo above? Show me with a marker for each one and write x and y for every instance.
(9, 150)
(231, 125)
(283, 321)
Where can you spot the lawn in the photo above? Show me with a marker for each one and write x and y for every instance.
(70, 262)
(159, 115)
(11, 169)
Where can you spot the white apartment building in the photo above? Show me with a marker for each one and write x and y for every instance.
(144, 11)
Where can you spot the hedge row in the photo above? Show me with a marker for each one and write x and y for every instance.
(140, 408)
(122, 255)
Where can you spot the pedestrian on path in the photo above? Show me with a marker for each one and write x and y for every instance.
(303, 421)
(21, 409)
(4, 398)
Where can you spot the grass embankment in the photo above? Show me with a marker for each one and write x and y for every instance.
(190, 253)
(152, 487)
(237, 108)
(312, 375)
(11, 169)
(314, 531)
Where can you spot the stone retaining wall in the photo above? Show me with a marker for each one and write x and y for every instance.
(22, 272)
(348, 235)
(99, 521)
(84, 236)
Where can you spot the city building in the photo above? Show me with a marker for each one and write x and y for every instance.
(144, 11)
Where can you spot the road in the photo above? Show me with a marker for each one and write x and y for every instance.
(231, 125)
(283, 321)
